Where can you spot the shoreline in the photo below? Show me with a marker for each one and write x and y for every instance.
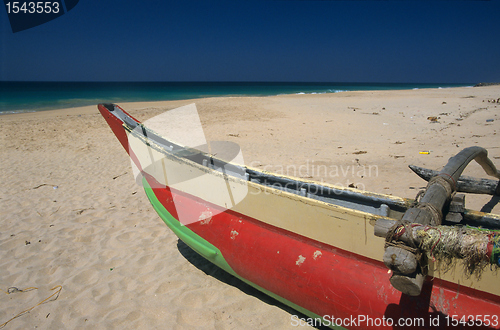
(83, 107)
(231, 90)
(73, 215)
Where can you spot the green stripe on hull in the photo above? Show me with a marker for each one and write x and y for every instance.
(209, 251)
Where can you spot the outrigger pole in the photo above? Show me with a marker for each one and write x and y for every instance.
(407, 261)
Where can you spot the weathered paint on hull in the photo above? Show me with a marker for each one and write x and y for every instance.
(323, 274)
(321, 279)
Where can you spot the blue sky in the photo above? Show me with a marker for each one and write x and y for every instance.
(247, 40)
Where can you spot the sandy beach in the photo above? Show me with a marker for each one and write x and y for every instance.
(72, 215)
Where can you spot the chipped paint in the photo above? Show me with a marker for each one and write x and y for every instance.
(317, 254)
(441, 302)
(205, 217)
(300, 260)
(458, 291)
(382, 295)
(234, 233)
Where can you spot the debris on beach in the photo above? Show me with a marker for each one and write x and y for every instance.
(80, 211)
(46, 184)
(116, 177)
(52, 297)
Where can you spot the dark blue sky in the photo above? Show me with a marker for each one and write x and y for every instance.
(247, 40)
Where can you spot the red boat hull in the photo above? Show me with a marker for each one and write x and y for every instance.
(332, 283)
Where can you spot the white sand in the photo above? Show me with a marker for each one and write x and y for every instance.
(90, 228)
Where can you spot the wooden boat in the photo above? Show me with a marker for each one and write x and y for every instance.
(311, 246)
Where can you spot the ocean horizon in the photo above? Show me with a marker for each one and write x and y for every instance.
(16, 96)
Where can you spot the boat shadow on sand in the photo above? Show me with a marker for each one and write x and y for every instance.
(212, 270)
(430, 317)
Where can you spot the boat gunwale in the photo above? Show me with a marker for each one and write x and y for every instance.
(396, 204)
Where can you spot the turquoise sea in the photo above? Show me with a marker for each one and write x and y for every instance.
(39, 96)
